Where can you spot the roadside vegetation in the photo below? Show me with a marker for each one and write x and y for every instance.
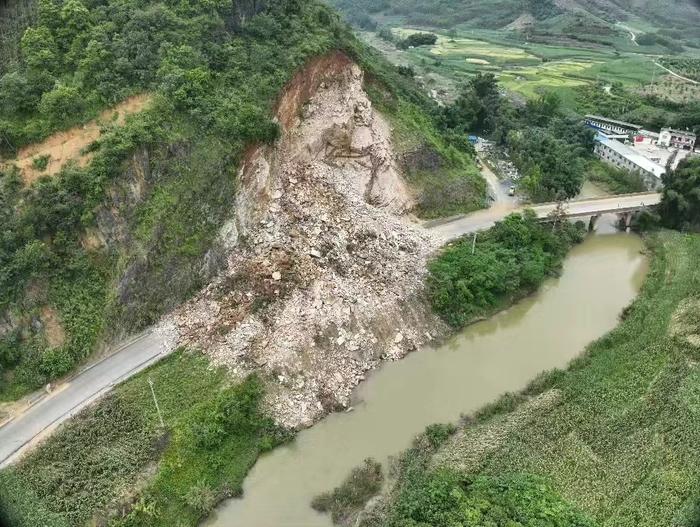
(113, 464)
(509, 261)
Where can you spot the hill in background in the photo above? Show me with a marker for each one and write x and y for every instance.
(596, 20)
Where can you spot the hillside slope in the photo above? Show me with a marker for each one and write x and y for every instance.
(144, 216)
(578, 17)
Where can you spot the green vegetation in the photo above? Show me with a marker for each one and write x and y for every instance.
(41, 162)
(417, 39)
(613, 179)
(510, 260)
(680, 206)
(96, 467)
(214, 72)
(438, 163)
(616, 433)
(363, 483)
(447, 497)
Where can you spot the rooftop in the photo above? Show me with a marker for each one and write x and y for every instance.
(613, 121)
(635, 157)
(680, 132)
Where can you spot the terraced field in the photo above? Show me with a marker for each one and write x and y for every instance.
(523, 67)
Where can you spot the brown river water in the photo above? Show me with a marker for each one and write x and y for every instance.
(547, 330)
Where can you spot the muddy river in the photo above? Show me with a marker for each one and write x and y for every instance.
(601, 277)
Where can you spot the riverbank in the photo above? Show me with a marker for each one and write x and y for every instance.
(615, 434)
(179, 476)
(438, 383)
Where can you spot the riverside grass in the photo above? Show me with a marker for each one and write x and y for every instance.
(618, 437)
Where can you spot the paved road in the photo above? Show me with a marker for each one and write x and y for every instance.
(76, 394)
(481, 220)
(499, 189)
(68, 399)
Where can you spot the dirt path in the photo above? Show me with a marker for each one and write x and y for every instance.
(633, 35)
(70, 144)
(676, 74)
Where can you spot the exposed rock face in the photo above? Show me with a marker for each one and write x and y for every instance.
(324, 278)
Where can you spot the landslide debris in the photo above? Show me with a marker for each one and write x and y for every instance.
(324, 275)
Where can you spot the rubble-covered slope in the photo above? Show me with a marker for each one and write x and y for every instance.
(324, 274)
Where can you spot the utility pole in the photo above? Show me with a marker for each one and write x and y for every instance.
(474, 244)
(155, 400)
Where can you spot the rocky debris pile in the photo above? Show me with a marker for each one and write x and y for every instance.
(325, 280)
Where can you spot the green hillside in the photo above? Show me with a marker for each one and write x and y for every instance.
(594, 20)
(104, 247)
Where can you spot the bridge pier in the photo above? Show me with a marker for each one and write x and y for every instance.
(592, 223)
(626, 220)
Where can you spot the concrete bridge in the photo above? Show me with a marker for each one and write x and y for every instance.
(624, 205)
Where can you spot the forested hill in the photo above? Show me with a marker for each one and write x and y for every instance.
(598, 15)
(159, 100)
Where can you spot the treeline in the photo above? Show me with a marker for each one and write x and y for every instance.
(549, 148)
(215, 72)
(510, 260)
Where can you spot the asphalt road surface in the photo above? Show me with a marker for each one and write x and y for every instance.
(87, 386)
(484, 219)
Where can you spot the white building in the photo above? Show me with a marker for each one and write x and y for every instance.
(677, 139)
(622, 156)
(612, 127)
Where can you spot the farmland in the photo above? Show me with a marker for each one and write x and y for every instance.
(527, 69)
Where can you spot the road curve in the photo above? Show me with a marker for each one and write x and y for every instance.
(86, 387)
(481, 220)
(20, 434)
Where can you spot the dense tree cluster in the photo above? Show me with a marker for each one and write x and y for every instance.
(549, 149)
(417, 39)
(512, 258)
(680, 206)
(80, 57)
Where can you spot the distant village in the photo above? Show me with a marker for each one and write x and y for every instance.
(630, 147)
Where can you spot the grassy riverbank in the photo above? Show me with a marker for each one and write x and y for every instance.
(115, 463)
(616, 434)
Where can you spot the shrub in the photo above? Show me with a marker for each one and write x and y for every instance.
(438, 434)
(363, 483)
(41, 162)
(511, 259)
(201, 497)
